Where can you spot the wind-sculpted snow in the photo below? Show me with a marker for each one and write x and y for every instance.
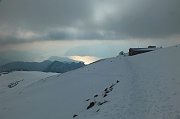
(144, 86)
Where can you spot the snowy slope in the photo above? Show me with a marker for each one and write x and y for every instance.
(148, 88)
(22, 79)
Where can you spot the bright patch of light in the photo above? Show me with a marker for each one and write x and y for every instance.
(85, 59)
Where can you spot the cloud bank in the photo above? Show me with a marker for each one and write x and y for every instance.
(36, 20)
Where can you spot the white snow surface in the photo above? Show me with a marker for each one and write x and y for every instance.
(24, 79)
(148, 88)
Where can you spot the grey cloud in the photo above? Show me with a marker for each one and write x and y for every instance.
(87, 35)
(10, 40)
(12, 55)
(92, 19)
(44, 14)
(150, 19)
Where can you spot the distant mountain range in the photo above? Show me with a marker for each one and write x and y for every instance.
(25, 56)
(23, 61)
(45, 66)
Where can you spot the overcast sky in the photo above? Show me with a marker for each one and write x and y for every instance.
(99, 28)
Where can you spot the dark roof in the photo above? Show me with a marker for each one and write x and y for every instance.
(142, 49)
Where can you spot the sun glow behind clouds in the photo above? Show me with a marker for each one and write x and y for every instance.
(85, 59)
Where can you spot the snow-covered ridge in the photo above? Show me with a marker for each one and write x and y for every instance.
(144, 86)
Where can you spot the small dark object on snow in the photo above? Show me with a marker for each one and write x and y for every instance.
(117, 81)
(96, 95)
(105, 95)
(87, 99)
(112, 86)
(98, 110)
(110, 89)
(101, 103)
(106, 89)
(90, 105)
(75, 115)
(11, 85)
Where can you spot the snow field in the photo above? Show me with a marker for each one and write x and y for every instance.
(148, 88)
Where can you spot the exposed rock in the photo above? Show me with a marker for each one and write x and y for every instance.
(96, 95)
(91, 105)
(75, 115)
